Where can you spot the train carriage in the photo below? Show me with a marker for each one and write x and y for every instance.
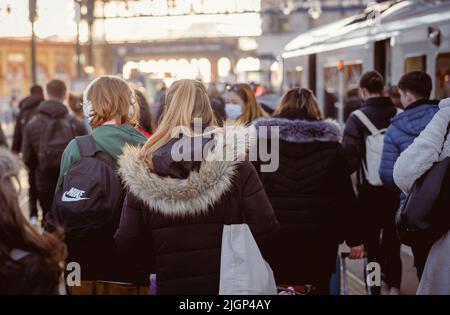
(393, 37)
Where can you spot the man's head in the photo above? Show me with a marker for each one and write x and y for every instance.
(36, 90)
(414, 86)
(56, 90)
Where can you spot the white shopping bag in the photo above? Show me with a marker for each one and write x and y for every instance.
(243, 270)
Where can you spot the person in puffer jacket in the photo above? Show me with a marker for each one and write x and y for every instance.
(415, 90)
(432, 146)
(311, 193)
(176, 207)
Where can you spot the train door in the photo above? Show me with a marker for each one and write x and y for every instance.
(382, 59)
(312, 75)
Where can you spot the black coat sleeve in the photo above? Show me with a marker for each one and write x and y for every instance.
(257, 209)
(3, 142)
(349, 219)
(353, 143)
(29, 154)
(129, 237)
(18, 134)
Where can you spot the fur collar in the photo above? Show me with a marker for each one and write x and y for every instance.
(192, 196)
(303, 131)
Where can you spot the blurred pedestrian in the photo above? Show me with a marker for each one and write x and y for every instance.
(45, 138)
(394, 94)
(145, 118)
(30, 262)
(241, 104)
(76, 105)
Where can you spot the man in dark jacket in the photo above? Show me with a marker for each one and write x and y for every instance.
(376, 201)
(39, 140)
(415, 89)
(28, 109)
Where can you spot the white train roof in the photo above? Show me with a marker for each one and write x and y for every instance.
(378, 22)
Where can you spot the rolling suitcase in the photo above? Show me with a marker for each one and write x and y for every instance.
(344, 256)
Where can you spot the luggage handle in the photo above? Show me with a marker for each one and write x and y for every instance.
(345, 255)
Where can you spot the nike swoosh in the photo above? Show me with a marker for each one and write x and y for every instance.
(70, 199)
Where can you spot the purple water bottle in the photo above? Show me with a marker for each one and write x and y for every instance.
(153, 284)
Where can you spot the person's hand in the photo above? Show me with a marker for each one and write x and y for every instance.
(357, 252)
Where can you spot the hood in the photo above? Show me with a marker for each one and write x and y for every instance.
(112, 138)
(198, 191)
(381, 101)
(300, 130)
(31, 102)
(53, 109)
(413, 120)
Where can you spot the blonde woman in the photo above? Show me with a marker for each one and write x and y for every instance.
(110, 105)
(176, 209)
(241, 105)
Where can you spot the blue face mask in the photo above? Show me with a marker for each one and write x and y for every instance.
(233, 111)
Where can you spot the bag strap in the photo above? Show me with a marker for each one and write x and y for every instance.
(366, 121)
(87, 146)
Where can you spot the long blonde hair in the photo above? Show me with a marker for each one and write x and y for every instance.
(252, 109)
(185, 101)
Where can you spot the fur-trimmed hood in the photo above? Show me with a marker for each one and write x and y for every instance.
(300, 130)
(191, 196)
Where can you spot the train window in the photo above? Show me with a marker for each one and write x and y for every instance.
(443, 76)
(416, 63)
(352, 75)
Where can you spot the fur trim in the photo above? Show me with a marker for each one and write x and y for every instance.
(303, 131)
(185, 197)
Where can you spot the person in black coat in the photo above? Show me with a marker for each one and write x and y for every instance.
(379, 203)
(28, 108)
(311, 194)
(49, 110)
(175, 210)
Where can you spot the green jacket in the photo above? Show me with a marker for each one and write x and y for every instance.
(109, 138)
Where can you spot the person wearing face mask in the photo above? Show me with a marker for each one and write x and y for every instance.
(113, 114)
(241, 105)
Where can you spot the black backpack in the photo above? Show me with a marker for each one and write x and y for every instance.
(54, 138)
(89, 201)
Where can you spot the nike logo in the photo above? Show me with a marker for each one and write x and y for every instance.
(73, 195)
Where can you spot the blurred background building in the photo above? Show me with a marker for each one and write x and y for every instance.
(153, 41)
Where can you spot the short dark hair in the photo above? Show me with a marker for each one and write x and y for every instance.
(37, 90)
(418, 83)
(56, 89)
(373, 81)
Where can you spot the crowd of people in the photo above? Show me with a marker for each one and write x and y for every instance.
(116, 201)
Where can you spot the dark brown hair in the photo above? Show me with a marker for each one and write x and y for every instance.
(299, 103)
(17, 233)
(76, 104)
(372, 81)
(56, 89)
(417, 83)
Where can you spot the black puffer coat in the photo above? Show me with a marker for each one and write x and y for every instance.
(178, 213)
(313, 199)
